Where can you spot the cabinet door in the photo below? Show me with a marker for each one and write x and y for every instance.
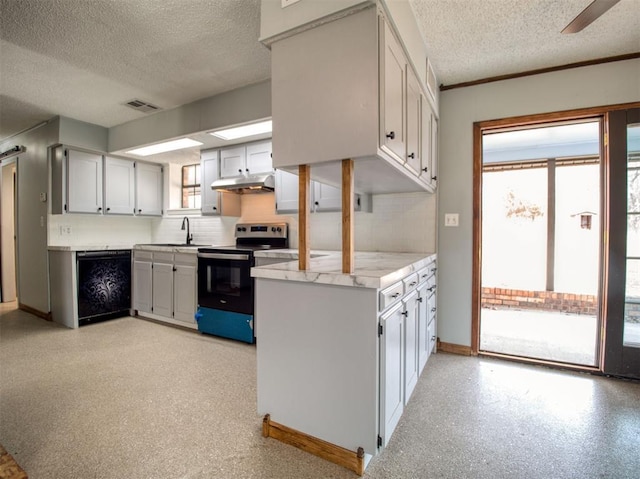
(148, 189)
(232, 162)
(414, 157)
(119, 186)
(163, 289)
(210, 204)
(142, 286)
(259, 158)
(423, 343)
(287, 188)
(84, 182)
(184, 293)
(411, 365)
(425, 141)
(391, 365)
(433, 160)
(326, 198)
(392, 118)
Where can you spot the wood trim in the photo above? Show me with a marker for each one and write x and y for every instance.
(568, 66)
(476, 254)
(304, 251)
(347, 216)
(354, 461)
(455, 349)
(565, 115)
(555, 364)
(35, 312)
(9, 468)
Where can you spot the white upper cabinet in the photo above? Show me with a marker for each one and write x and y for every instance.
(259, 158)
(149, 181)
(326, 197)
(286, 190)
(232, 162)
(392, 95)
(84, 182)
(210, 203)
(119, 186)
(245, 160)
(364, 104)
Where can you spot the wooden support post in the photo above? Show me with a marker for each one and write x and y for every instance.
(347, 216)
(304, 255)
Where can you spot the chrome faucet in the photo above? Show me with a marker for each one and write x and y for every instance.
(189, 236)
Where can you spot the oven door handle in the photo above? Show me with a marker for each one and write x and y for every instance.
(242, 257)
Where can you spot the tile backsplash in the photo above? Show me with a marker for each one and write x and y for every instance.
(401, 222)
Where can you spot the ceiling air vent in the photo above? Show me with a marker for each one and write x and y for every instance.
(142, 106)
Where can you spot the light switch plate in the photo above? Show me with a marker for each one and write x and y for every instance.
(451, 219)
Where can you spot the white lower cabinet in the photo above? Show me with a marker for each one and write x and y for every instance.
(391, 371)
(411, 364)
(165, 286)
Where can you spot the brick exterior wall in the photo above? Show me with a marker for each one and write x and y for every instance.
(499, 298)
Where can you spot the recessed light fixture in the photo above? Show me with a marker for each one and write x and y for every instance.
(164, 147)
(244, 130)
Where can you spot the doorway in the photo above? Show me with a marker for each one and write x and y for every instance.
(8, 195)
(541, 242)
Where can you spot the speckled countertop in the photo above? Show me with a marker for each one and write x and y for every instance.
(372, 270)
(87, 247)
(148, 247)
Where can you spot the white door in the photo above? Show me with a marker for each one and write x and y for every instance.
(184, 290)
(148, 189)
(286, 191)
(411, 365)
(84, 182)
(326, 198)
(391, 364)
(142, 286)
(433, 160)
(209, 168)
(232, 162)
(119, 186)
(392, 135)
(163, 289)
(425, 140)
(8, 231)
(259, 158)
(423, 343)
(413, 123)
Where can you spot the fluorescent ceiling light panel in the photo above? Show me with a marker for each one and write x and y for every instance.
(242, 131)
(164, 147)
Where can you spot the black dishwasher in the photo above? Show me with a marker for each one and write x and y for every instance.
(104, 285)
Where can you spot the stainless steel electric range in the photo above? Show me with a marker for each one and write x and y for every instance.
(225, 285)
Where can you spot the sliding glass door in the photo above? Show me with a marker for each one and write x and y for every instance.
(622, 345)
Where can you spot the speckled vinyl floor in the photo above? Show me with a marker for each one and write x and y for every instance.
(130, 398)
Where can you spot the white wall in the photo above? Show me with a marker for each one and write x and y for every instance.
(604, 84)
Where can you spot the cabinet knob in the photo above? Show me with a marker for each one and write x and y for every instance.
(405, 313)
(425, 169)
(108, 209)
(99, 209)
(139, 211)
(412, 155)
(247, 170)
(215, 208)
(391, 135)
(433, 310)
(434, 178)
(240, 170)
(316, 203)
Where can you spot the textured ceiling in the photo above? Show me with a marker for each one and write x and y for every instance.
(473, 39)
(85, 58)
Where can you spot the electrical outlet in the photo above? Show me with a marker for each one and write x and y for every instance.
(451, 219)
(65, 230)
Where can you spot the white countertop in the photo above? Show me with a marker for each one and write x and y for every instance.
(87, 247)
(372, 269)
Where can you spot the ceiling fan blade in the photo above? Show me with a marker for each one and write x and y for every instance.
(588, 15)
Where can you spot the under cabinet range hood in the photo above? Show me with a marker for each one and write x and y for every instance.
(246, 184)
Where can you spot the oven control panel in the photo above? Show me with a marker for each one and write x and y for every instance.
(262, 230)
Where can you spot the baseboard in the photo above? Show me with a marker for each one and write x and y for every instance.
(354, 461)
(35, 312)
(454, 348)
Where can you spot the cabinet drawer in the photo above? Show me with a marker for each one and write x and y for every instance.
(390, 295)
(423, 274)
(161, 257)
(189, 259)
(410, 283)
(142, 255)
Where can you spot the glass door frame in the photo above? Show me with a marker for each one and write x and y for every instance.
(603, 114)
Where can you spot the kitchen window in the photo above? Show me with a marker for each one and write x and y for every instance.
(191, 186)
